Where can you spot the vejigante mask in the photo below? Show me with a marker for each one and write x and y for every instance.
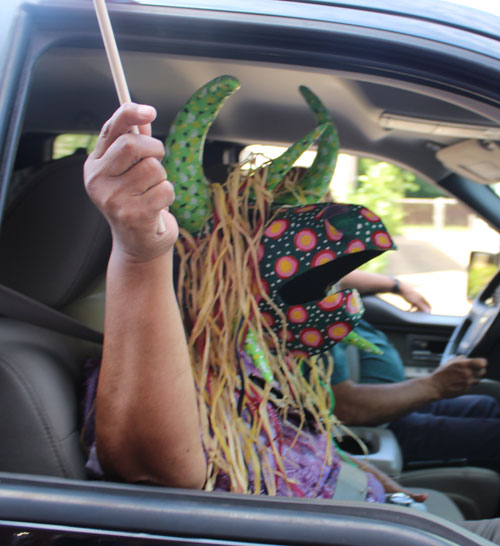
(304, 252)
(253, 265)
(305, 249)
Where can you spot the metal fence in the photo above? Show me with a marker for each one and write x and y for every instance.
(437, 212)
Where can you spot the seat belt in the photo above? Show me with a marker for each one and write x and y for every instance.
(23, 308)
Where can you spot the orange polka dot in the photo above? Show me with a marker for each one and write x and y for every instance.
(369, 215)
(305, 240)
(286, 266)
(382, 239)
(355, 246)
(323, 257)
(311, 337)
(332, 233)
(277, 228)
(338, 330)
(297, 314)
(331, 302)
(353, 303)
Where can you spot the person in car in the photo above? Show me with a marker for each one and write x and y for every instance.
(429, 415)
(147, 412)
(147, 419)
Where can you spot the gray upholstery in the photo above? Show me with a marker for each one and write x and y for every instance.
(53, 241)
(439, 504)
(476, 491)
(40, 376)
(53, 245)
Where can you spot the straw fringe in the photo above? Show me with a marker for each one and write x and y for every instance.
(219, 285)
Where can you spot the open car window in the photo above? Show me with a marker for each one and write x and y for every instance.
(435, 233)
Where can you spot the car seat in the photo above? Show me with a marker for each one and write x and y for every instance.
(53, 244)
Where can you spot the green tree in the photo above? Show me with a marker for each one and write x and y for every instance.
(424, 189)
(67, 143)
(379, 187)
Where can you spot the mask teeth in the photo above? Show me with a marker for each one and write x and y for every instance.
(183, 158)
(313, 186)
(280, 166)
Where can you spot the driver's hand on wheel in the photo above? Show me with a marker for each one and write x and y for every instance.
(457, 375)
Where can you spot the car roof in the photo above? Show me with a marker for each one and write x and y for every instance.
(444, 12)
(397, 87)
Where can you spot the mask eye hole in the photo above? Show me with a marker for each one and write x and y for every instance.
(314, 284)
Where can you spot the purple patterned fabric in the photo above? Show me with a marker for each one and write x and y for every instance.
(304, 462)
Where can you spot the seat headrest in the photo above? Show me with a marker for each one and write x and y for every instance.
(53, 241)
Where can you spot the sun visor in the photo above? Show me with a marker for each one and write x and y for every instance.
(474, 159)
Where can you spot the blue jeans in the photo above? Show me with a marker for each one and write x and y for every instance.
(465, 427)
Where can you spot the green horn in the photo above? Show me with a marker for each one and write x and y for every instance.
(318, 177)
(184, 145)
(314, 184)
(280, 166)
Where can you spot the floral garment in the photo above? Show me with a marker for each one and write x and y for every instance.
(303, 456)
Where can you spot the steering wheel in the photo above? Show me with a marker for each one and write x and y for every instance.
(480, 329)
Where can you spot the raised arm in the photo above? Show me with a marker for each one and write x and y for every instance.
(147, 424)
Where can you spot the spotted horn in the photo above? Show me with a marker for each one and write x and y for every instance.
(280, 166)
(184, 145)
(313, 186)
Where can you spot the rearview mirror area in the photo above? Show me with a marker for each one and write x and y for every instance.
(481, 269)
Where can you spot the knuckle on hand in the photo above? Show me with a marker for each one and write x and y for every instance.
(110, 205)
(92, 179)
(128, 111)
(123, 215)
(127, 213)
(127, 146)
(158, 148)
(166, 193)
(152, 169)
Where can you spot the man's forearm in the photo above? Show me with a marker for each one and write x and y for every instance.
(364, 404)
(148, 426)
(366, 282)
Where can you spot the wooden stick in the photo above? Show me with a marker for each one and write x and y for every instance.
(116, 66)
(111, 48)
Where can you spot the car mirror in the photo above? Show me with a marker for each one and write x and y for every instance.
(482, 266)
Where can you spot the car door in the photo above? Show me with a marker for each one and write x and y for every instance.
(60, 512)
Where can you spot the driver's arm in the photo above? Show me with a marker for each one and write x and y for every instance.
(365, 404)
(373, 283)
